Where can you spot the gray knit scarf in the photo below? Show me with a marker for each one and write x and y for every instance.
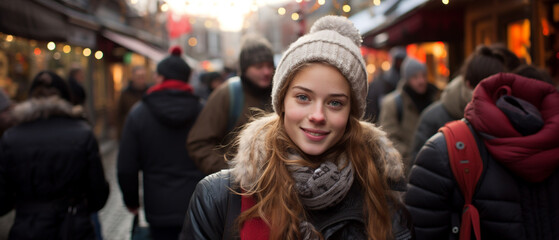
(322, 187)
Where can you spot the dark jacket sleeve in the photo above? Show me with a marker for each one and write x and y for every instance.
(128, 164)
(207, 212)
(431, 189)
(428, 125)
(98, 185)
(208, 132)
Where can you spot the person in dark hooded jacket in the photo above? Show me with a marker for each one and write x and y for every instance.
(50, 167)
(153, 142)
(515, 121)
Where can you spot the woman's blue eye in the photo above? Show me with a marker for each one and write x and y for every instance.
(302, 97)
(336, 103)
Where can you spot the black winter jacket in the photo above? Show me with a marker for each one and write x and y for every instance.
(153, 142)
(51, 172)
(214, 209)
(509, 207)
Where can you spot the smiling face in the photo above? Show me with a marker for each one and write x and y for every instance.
(317, 107)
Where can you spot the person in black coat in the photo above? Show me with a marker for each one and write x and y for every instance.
(515, 121)
(50, 167)
(75, 81)
(153, 142)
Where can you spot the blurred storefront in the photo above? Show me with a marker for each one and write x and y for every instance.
(443, 33)
(38, 35)
(426, 33)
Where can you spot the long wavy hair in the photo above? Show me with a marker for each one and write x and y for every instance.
(277, 200)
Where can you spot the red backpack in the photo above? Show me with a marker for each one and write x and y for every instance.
(467, 166)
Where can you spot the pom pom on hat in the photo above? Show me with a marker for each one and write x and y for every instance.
(341, 25)
(174, 67)
(332, 39)
(175, 51)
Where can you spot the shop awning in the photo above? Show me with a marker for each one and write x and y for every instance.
(398, 22)
(31, 20)
(135, 45)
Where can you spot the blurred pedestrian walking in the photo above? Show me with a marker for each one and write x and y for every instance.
(384, 83)
(50, 168)
(481, 64)
(153, 142)
(515, 121)
(401, 108)
(76, 79)
(209, 81)
(229, 106)
(6, 105)
(137, 87)
(311, 169)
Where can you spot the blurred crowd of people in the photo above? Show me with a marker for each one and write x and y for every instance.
(305, 149)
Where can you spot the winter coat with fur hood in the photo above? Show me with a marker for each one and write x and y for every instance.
(517, 193)
(214, 208)
(51, 172)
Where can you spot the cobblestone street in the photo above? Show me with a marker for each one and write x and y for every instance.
(116, 221)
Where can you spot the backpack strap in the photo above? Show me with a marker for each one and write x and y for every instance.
(236, 101)
(467, 166)
(399, 106)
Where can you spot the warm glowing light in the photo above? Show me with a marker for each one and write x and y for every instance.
(298, 1)
(371, 68)
(98, 55)
(385, 66)
(545, 27)
(281, 11)
(86, 52)
(192, 41)
(208, 24)
(376, 2)
(321, 2)
(133, 1)
(164, 7)
(9, 38)
(295, 16)
(37, 51)
(445, 2)
(67, 49)
(438, 49)
(51, 46)
(346, 8)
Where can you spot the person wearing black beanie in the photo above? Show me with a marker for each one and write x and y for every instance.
(153, 141)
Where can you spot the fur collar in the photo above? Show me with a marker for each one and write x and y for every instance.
(43, 108)
(246, 166)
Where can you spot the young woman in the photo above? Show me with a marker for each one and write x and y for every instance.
(311, 169)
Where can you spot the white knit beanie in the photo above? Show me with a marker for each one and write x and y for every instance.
(332, 39)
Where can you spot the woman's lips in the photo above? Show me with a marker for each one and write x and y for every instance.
(314, 134)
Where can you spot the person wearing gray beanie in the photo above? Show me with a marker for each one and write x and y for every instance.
(303, 170)
(229, 106)
(400, 109)
(384, 83)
